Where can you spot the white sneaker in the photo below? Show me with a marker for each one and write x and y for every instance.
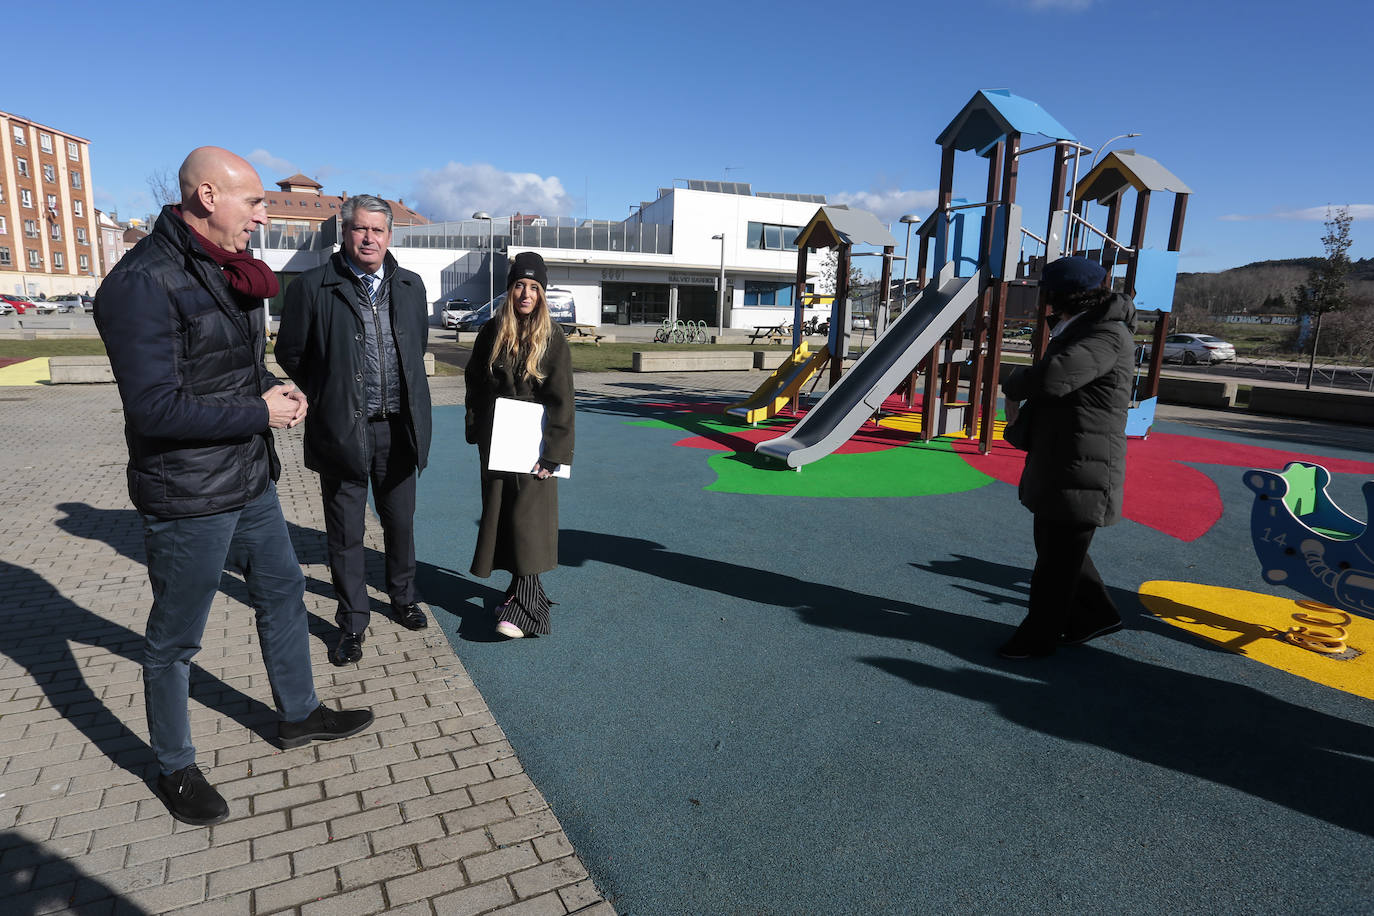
(509, 630)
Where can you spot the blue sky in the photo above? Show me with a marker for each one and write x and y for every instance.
(585, 109)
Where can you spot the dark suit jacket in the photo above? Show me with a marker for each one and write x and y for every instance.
(321, 346)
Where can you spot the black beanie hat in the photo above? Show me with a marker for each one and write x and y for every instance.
(528, 266)
(1071, 275)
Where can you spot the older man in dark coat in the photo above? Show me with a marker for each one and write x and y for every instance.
(353, 336)
(1079, 393)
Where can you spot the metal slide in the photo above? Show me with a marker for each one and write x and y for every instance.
(876, 373)
(779, 387)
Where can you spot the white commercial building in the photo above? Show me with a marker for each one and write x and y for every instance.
(663, 261)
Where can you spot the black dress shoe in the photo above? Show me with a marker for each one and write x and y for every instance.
(1022, 645)
(1077, 637)
(349, 649)
(190, 798)
(411, 616)
(324, 724)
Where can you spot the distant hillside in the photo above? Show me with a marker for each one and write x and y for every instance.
(1361, 270)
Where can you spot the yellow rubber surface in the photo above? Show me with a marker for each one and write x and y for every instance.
(29, 372)
(1254, 626)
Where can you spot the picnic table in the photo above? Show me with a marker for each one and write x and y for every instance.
(582, 332)
(773, 333)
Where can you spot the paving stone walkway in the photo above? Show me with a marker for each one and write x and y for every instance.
(427, 812)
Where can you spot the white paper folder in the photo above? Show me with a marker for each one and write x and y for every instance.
(517, 437)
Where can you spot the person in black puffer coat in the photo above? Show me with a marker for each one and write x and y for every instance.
(1078, 394)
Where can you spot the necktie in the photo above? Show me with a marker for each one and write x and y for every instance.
(373, 283)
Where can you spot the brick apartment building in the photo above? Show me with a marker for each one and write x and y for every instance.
(299, 205)
(49, 241)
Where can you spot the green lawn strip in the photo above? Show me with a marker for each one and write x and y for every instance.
(53, 346)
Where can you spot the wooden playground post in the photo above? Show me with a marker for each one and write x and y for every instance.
(987, 409)
(984, 302)
(942, 230)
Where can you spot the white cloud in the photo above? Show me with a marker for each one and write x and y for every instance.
(889, 206)
(458, 189)
(1310, 214)
(272, 163)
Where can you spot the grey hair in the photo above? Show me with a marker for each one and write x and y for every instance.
(364, 202)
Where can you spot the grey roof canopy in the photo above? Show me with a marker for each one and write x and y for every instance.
(833, 226)
(1127, 168)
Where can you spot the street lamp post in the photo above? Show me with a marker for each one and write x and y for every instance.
(1101, 149)
(910, 219)
(720, 292)
(491, 255)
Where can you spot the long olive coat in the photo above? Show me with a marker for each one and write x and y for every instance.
(1080, 391)
(519, 527)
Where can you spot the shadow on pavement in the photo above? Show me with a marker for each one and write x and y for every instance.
(1230, 734)
(34, 881)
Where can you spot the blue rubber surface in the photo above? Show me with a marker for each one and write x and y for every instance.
(781, 705)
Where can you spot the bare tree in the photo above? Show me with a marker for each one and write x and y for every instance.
(1325, 290)
(164, 187)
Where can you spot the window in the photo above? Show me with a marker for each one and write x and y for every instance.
(5, 259)
(49, 173)
(23, 165)
(52, 201)
(59, 261)
(35, 259)
(79, 207)
(81, 235)
(55, 230)
(773, 237)
(30, 228)
(775, 294)
(73, 151)
(4, 227)
(76, 180)
(45, 142)
(19, 136)
(26, 197)
(84, 262)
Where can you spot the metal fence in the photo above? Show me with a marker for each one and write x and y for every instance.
(554, 232)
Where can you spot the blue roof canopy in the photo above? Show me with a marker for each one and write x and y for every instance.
(992, 114)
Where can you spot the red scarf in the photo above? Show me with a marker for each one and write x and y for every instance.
(245, 273)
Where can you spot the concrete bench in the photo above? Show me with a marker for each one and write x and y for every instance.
(1316, 404)
(77, 370)
(692, 360)
(770, 359)
(1196, 392)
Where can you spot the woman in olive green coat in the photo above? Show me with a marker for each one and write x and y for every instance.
(522, 354)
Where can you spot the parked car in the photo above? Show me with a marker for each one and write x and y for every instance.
(1193, 348)
(20, 304)
(68, 303)
(562, 309)
(455, 310)
(6, 308)
(47, 306)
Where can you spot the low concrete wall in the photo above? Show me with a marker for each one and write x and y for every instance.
(1196, 392)
(75, 370)
(692, 360)
(770, 359)
(1324, 404)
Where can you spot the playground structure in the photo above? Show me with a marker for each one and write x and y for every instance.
(965, 278)
(1306, 542)
(783, 386)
